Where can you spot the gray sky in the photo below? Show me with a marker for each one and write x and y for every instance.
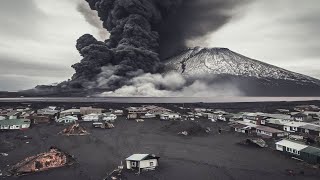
(37, 38)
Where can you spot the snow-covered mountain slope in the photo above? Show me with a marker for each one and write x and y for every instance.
(203, 62)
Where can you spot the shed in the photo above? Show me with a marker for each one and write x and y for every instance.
(311, 155)
(142, 162)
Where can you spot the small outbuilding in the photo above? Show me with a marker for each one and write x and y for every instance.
(142, 162)
(311, 155)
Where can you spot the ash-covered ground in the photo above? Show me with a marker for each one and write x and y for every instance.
(205, 157)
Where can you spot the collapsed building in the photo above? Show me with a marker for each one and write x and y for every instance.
(74, 130)
(54, 158)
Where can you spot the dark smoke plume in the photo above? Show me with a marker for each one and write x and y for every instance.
(139, 31)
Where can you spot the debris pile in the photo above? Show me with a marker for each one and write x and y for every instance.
(54, 158)
(116, 174)
(74, 130)
(186, 128)
(257, 142)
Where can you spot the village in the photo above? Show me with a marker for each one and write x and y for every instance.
(292, 133)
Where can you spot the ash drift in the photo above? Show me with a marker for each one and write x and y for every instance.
(141, 33)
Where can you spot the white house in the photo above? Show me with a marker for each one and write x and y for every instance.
(290, 147)
(169, 116)
(293, 126)
(142, 162)
(91, 117)
(109, 117)
(67, 119)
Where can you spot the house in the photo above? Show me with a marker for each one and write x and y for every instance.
(14, 124)
(306, 153)
(148, 116)
(136, 112)
(90, 110)
(51, 110)
(3, 118)
(157, 110)
(311, 129)
(109, 117)
(277, 123)
(132, 116)
(290, 147)
(306, 108)
(284, 111)
(243, 127)
(254, 118)
(91, 117)
(277, 116)
(142, 162)
(225, 117)
(300, 117)
(270, 132)
(236, 117)
(39, 119)
(117, 112)
(311, 155)
(67, 120)
(240, 128)
(293, 126)
(170, 116)
(70, 112)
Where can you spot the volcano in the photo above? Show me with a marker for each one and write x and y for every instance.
(252, 77)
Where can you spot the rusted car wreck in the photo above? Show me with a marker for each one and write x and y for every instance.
(54, 158)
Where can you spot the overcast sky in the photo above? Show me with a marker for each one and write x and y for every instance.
(37, 38)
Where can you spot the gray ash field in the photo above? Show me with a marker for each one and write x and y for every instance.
(207, 157)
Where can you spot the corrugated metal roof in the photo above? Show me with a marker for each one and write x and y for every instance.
(137, 157)
(291, 144)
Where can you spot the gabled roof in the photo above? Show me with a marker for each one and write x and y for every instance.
(140, 157)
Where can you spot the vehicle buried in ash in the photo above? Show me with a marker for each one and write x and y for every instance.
(54, 158)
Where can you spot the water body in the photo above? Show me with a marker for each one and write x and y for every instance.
(160, 99)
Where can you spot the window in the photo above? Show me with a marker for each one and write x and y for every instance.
(134, 164)
(151, 164)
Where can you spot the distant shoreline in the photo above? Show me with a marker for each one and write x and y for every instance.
(160, 99)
